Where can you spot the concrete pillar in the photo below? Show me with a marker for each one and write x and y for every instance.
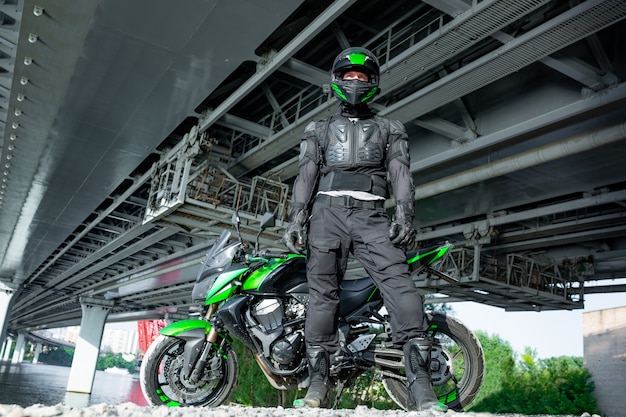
(18, 353)
(37, 352)
(83, 371)
(6, 348)
(6, 294)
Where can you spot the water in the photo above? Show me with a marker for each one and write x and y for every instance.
(26, 384)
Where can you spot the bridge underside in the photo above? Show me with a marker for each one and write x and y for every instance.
(130, 134)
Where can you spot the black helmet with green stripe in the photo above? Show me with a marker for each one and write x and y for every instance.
(355, 92)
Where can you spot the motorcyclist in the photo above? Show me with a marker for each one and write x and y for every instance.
(338, 198)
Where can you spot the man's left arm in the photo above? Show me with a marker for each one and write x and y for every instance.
(402, 232)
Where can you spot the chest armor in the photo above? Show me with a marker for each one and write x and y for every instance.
(355, 144)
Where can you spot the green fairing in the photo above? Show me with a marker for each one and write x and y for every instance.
(440, 253)
(186, 325)
(257, 277)
(182, 326)
(222, 295)
(223, 279)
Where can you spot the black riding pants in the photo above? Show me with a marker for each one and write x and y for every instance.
(334, 233)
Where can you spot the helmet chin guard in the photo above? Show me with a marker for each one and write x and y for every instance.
(355, 92)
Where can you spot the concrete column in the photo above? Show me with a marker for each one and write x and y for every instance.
(6, 348)
(18, 353)
(6, 294)
(37, 352)
(83, 371)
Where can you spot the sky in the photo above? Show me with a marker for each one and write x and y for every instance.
(549, 333)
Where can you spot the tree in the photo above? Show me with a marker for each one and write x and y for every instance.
(499, 364)
(112, 360)
(531, 386)
(57, 356)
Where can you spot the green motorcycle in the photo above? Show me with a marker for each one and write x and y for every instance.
(260, 298)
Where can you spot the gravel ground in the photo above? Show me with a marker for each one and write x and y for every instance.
(132, 410)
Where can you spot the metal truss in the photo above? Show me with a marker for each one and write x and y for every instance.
(162, 219)
(513, 282)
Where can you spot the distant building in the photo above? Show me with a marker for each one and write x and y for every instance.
(604, 339)
(69, 334)
(119, 341)
(113, 340)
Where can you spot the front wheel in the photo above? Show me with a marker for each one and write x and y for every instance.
(163, 381)
(457, 364)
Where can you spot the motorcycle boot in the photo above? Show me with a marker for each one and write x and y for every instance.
(317, 394)
(420, 395)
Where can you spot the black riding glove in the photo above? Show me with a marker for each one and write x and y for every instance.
(402, 233)
(296, 230)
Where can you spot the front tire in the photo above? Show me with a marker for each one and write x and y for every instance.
(164, 383)
(459, 363)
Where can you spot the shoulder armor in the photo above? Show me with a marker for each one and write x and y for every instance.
(396, 127)
(309, 145)
(399, 147)
(310, 127)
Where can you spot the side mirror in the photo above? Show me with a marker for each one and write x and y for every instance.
(267, 220)
(236, 221)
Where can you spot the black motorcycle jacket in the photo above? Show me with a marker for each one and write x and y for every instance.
(353, 150)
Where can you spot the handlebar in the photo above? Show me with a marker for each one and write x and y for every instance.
(264, 254)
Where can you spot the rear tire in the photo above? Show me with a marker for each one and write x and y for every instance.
(163, 382)
(461, 361)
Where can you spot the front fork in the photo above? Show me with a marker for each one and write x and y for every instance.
(195, 367)
(197, 370)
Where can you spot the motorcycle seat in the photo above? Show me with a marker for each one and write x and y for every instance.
(357, 285)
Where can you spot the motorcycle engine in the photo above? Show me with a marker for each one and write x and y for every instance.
(286, 350)
(282, 343)
(269, 313)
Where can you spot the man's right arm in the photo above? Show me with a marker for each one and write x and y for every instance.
(303, 189)
(308, 169)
